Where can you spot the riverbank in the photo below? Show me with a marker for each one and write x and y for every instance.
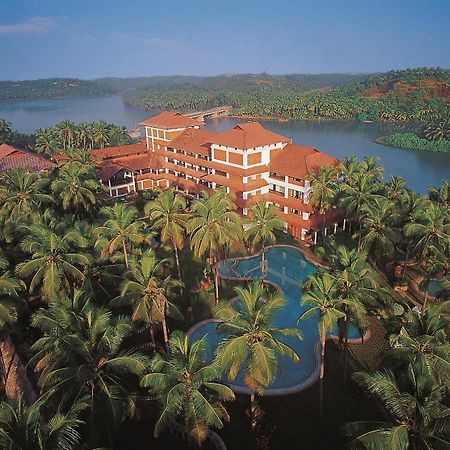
(413, 142)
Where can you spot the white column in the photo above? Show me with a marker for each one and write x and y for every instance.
(343, 224)
(315, 237)
(325, 231)
(335, 228)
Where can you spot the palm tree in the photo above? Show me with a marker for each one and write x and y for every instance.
(370, 166)
(379, 235)
(188, 388)
(213, 225)
(430, 232)
(349, 168)
(101, 133)
(356, 287)
(66, 132)
(148, 291)
(31, 428)
(81, 354)
(440, 195)
(21, 195)
(83, 132)
(55, 261)
(410, 206)
(324, 189)
(263, 224)
(396, 188)
(167, 211)
(423, 338)
(9, 303)
(252, 342)
(415, 407)
(46, 141)
(75, 190)
(322, 299)
(121, 230)
(353, 197)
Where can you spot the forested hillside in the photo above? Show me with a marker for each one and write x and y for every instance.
(51, 88)
(405, 95)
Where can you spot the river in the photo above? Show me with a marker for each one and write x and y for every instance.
(420, 169)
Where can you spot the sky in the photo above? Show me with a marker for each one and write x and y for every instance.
(97, 38)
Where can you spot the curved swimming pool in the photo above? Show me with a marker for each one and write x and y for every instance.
(287, 268)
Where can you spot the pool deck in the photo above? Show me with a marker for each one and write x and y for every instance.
(313, 378)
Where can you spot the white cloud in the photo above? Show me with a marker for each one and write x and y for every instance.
(33, 25)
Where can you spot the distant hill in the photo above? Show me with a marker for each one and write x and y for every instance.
(412, 95)
(52, 88)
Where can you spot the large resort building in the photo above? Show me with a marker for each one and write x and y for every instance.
(248, 161)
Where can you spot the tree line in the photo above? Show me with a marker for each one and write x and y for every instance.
(405, 96)
(66, 136)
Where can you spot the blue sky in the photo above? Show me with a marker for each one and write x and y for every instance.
(95, 38)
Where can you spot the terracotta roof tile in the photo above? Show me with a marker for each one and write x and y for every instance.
(195, 141)
(170, 120)
(120, 151)
(12, 157)
(248, 135)
(137, 162)
(299, 161)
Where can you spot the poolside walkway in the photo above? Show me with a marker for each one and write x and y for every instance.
(368, 354)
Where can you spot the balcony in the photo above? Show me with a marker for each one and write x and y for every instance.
(275, 176)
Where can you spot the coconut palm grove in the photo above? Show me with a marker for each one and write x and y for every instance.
(98, 296)
(224, 225)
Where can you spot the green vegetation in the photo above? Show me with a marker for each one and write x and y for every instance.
(52, 88)
(67, 137)
(411, 140)
(434, 136)
(411, 95)
(92, 311)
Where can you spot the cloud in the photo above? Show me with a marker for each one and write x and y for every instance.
(33, 25)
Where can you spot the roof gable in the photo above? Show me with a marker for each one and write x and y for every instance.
(298, 161)
(170, 120)
(248, 135)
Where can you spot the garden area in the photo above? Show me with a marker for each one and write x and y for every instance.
(97, 299)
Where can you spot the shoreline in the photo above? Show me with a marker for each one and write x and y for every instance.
(381, 141)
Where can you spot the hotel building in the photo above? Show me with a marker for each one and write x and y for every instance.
(248, 161)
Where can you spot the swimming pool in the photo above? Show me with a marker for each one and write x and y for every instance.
(287, 268)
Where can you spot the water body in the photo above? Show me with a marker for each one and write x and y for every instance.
(340, 139)
(287, 268)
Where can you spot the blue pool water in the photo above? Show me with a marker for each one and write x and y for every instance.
(287, 268)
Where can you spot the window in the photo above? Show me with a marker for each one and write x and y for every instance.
(279, 190)
(295, 194)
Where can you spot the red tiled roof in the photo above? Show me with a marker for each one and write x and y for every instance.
(299, 161)
(137, 162)
(106, 171)
(193, 140)
(170, 120)
(248, 135)
(11, 158)
(120, 151)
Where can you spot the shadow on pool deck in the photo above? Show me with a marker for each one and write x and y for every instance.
(294, 418)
